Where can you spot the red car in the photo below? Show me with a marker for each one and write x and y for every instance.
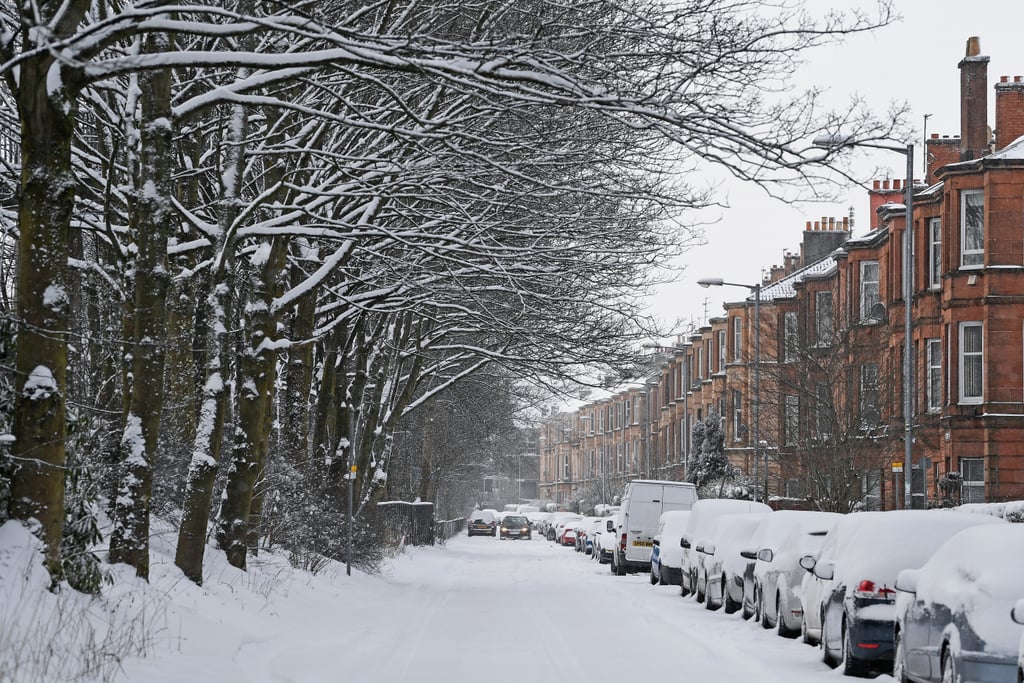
(569, 537)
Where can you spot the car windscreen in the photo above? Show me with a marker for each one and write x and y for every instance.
(515, 521)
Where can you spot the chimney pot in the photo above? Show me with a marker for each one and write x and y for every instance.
(1004, 79)
(935, 136)
(808, 227)
(1016, 79)
(876, 184)
(896, 182)
(973, 46)
(885, 184)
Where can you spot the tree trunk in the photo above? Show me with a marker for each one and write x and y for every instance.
(47, 198)
(257, 372)
(129, 541)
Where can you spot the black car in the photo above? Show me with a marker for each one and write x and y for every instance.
(515, 527)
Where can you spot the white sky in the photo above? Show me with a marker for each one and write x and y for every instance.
(914, 60)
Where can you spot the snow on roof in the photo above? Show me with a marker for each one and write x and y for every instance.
(786, 289)
(1014, 150)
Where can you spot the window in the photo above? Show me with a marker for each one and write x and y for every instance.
(935, 253)
(973, 472)
(737, 415)
(933, 374)
(629, 460)
(872, 490)
(790, 342)
(700, 362)
(822, 410)
(600, 421)
(737, 337)
(971, 378)
(721, 350)
(792, 425)
(708, 354)
(824, 331)
(869, 415)
(868, 291)
(972, 228)
(627, 406)
(565, 468)
(620, 463)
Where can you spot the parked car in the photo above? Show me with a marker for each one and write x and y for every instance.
(851, 599)
(556, 524)
(666, 553)
(567, 536)
(771, 586)
(636, 522)
(720, 567)
(482, 523)
(702, 516)
(515, 526)
(1018, 616)
(953, 615)
(604, 542)
(590, 528)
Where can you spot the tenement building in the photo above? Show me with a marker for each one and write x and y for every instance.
(806, 374)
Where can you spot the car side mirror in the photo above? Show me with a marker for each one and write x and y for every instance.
(657, 541)
(684, 542)
(808, 562)
(906, 581)
(766, 554)
(610, 526)
(825, 570)
(708, 549)
(1017, 613)
(749, 554)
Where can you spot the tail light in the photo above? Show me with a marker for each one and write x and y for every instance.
(868, 589)
(622, 543)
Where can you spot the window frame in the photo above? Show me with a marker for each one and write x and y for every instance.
(935, 253)
(824, 320)
(972, 484)
(933, 374)
(862, 291)
(963, 357)
(974, 258)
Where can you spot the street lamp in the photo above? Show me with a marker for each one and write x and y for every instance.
(832, 143)
(756, 289)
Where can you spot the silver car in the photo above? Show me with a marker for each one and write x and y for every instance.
(953, 615)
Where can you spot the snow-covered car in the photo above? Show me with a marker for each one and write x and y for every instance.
(557, 523)
(604, 542)
(771, 589)
(1018, 616)
(666, 554)
(853, 581)
(720, 566)
(702, 515)
(953, 615)
(589, 530)
(483, 523)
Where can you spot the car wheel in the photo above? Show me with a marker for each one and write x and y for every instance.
(948, 667)
(757, 604)
(620, 568)
(654, 579)
(851, 667)
(762, 610)
(899, 664)
(804, 635)
(661, 578)
(731, 606)
(780, 622)
(701, 594)
(826, 656)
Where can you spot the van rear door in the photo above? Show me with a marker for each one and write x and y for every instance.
(642, 523)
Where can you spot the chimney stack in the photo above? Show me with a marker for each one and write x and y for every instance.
(941, 151)
(974, 102)
(1009, 110)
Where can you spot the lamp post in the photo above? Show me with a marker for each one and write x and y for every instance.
(756, 289)
(832, 142)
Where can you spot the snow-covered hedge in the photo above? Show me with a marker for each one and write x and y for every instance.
(1012, 511)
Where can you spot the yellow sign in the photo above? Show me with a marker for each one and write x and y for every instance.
(354, 468)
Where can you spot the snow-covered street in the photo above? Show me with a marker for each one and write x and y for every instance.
(475, 610)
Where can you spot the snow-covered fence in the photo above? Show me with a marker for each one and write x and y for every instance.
(443, 530)
(403, 523)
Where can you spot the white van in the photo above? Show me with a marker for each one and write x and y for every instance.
(636, 522)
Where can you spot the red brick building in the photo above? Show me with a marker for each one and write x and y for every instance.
(830, 403)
